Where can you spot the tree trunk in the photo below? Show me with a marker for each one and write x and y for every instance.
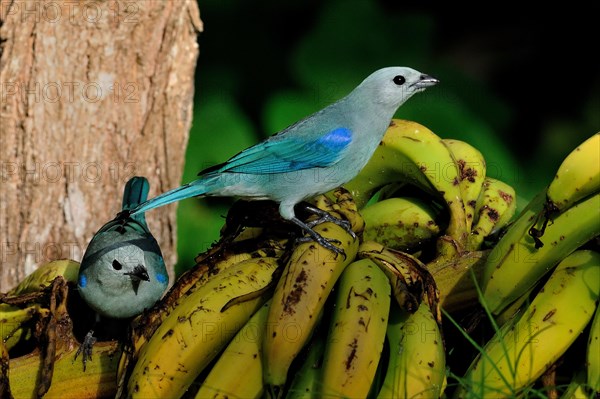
(91, 94)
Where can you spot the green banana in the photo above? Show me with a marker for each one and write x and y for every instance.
(524, 348)
(495, 208)
(299, 297)
(400, 223)
(454, 278)
(238, 371)
(14, 322)
(357, 331)
(515, 264)
(472, 167)
(593, 355)
(417, 361)
(307, 381)
(4, 367)
(577, 177)
(43, 276)
(412, 153)
(198, 328)
(14, 319)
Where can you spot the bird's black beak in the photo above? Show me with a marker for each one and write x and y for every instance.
(425, 81)
(139, 273)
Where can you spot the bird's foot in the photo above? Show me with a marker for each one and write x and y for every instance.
(86, 348)
(319, 239)
(324, 242)
(327, 217)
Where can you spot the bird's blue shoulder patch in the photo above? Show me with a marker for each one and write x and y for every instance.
(337, 139)
(82, 281)
(162, 278)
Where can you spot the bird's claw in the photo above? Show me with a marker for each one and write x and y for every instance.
(324, 242)
(327, 217)
(319, 239)
(86, 348)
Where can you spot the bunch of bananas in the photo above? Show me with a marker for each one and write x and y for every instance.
(261, 315)
(540, 324)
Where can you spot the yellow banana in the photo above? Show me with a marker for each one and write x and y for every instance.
(340, 201)
(495, 207)
(472, 167)
(144, 326)
(43, 276)
(238, 371)
(515, 264)
(357, 331)
(525, 348)
(197, 329)
(307, 280)
(208, 264)
(307, 381)
(577, 177)
(514, 308)
(69, 381)
(593, 355)
(577, 387)
(412, 153)
(400, 223)
(417, 361)
(506, 215)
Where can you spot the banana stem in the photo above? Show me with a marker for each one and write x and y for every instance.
(454, 278)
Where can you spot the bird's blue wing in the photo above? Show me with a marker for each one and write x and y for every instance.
(288, 153)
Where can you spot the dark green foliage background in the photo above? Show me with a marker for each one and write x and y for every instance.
(513, 83)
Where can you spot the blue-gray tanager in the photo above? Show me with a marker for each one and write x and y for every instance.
(122, 271)
(312, 156)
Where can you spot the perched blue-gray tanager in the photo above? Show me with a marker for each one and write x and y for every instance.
(122, 271)
(312, 156)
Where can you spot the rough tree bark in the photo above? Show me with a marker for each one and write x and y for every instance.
(91, 93)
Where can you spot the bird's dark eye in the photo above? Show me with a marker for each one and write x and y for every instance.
(117, 265)
(399, 80)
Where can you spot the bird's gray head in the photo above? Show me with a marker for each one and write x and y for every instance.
(122, 273)
(392, 86)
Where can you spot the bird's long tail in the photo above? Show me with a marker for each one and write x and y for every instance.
(135, 193)
(194, 189)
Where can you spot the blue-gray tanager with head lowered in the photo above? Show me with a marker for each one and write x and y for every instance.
(122, 271)
(312, 156)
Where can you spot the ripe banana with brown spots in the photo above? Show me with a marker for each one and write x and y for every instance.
(472, 167)
(299, 297)
(198, 328)
(409, 152)
(357, 331)
(523, 349)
